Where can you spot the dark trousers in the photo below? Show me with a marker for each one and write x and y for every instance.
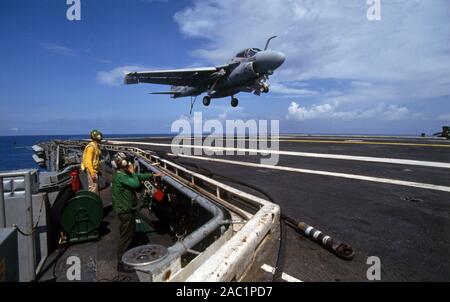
(127, 225)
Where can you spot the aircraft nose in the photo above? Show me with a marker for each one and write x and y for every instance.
(267, 61)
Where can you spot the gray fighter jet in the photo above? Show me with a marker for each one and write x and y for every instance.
(248, 71)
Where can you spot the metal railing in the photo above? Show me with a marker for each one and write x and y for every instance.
(30, 240)
(187, 243)
(239, 249)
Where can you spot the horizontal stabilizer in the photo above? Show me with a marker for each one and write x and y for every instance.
(164, 92)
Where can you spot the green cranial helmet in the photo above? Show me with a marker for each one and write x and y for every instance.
(96, 135)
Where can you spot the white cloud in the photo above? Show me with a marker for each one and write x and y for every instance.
(404, 58)
(114, 77)
(394, 113)
(331, 111)
(14, 129)
(58, 49)
(281, 88)
(444, 117)
(315, 112)
(358, 84)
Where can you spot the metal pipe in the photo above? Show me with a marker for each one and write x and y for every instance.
(198, 235)
(30, 240)
(195, 237)
(2, 206)
(57, 158)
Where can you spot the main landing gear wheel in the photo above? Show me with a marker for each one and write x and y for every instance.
(265, 89)
(234, 102)
(206, 100)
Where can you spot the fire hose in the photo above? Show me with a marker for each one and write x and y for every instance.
(340, 249)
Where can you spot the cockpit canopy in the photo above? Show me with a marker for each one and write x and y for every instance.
(247, 53)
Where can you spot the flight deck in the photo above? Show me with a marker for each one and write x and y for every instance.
(387, 197)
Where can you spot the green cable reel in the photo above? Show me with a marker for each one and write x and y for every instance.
(82, 216)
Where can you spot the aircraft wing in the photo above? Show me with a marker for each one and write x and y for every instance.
(177, 77)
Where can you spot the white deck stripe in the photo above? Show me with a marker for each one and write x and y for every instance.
(284, 276)
(327, 173)
(303, 154)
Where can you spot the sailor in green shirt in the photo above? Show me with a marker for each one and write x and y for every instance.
(124, 200)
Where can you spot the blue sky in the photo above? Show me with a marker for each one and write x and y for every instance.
(343, 73)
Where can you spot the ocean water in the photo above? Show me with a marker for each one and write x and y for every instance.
(16, 152)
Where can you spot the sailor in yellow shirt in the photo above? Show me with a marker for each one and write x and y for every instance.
(91, 160)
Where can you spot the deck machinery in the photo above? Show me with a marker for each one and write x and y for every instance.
(198, 229)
